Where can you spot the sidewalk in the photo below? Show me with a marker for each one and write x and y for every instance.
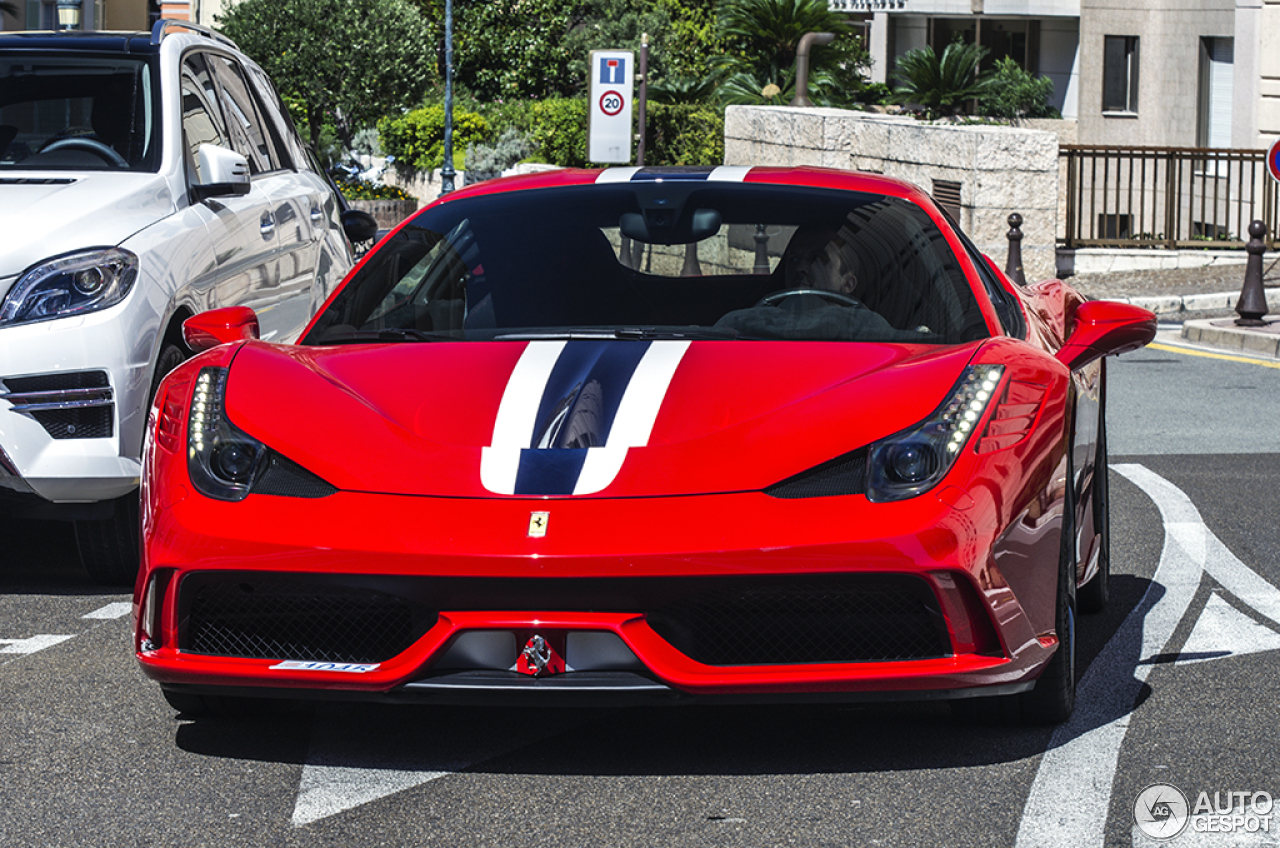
(1201, 300)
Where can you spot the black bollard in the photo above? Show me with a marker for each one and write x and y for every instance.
(762, 251)
(1013, 266)
(1252, 304)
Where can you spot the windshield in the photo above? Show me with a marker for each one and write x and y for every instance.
(77, 113)
(678, 259)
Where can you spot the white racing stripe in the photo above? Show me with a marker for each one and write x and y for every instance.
(636, 413)
(513, 428)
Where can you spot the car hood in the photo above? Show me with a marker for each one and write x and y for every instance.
(49, 213)
(585, 418)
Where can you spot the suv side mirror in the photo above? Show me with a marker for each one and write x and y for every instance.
(1101, 327)
(359, 225)
(224, 171)
(219, 326)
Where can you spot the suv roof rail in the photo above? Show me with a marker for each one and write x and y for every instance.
(163, 25)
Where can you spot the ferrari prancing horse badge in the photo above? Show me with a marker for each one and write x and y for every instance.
(538, 524)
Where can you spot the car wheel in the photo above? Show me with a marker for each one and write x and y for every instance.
(109, 546)
(1054, 695)
(1093, 596)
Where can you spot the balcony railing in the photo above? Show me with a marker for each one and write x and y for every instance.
(1169, 197)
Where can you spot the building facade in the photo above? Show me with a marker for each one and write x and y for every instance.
(1129, 72)
(115, 14)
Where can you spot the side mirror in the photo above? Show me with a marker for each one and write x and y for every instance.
(224, 171)
(219, 326)
(359, 225)
(1101, 327)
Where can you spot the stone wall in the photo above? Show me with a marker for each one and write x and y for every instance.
(1000, 169)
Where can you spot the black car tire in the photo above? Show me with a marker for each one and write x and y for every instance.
(109, 547)
(1093, 596)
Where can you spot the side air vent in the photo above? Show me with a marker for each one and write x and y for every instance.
(844, 475)
(289, 479)
(68, 405)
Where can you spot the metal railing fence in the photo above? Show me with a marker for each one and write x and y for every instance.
(1168, 197)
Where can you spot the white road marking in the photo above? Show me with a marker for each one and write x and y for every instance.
(116, 610)
(1224, 631)
(30, 645)
(1068, 802)
(353, 761)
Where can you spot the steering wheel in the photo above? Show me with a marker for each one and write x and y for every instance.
(841, 298)
(89, 145)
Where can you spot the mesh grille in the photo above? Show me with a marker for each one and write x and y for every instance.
(844, 475)
(285, 477)
(57, 382)
(299, 620)
(90, 422)
(839, 620)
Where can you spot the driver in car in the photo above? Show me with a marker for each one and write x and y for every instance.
(818, 300)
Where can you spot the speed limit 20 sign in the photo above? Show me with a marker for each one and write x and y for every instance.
(609, 129)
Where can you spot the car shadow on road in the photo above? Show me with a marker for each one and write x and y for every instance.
(40, 558)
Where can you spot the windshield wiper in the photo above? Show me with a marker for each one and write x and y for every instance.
(395, 334)
(624, 333)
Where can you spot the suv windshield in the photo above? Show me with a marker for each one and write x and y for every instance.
(77, 113)
(670, 259)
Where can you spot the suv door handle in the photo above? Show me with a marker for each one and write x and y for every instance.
(267, 226)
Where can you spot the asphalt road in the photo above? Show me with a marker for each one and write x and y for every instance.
(1178, 686)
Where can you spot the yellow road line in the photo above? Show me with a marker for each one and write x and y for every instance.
(1228, 357)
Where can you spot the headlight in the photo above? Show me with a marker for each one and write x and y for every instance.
(913, 461)
(79, 282)
(222, 461)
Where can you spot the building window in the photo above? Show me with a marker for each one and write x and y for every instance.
(1120, 74)
(1217, 61)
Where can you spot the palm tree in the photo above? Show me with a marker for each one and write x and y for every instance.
(767, 33)
(942, 85)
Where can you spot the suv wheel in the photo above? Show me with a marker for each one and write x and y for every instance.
(108, 547)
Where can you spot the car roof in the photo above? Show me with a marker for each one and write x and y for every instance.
(107, 41)
(78, 41)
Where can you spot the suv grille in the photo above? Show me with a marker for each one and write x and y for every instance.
(70, 405)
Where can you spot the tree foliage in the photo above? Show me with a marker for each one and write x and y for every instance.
(416, 138)
(764, 39)
(348, 62)
(942, 85)
(1017, 93)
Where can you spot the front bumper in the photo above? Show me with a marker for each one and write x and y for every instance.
(610, 587)
(73, 393)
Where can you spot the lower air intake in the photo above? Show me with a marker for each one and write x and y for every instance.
(298, 620)
(840, 620)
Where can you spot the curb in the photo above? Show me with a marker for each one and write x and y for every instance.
(1255, 341)
(1167, 304)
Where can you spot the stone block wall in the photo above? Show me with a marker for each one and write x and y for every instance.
(1000, 169)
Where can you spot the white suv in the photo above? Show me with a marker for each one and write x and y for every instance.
(143, 178)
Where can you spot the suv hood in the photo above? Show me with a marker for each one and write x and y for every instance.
(48, 213)
(603, 418)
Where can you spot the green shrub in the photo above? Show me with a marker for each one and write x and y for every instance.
(416, 138)
(559, 131)
(684, 134)
(362, 190)
(1017, 93)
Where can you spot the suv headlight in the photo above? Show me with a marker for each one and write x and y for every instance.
(913, 461)
(79, 282)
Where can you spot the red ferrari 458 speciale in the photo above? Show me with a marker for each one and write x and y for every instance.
(641, 434)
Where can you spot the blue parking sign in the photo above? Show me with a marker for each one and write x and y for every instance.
(613, 70)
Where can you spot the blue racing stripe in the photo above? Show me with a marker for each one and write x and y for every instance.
(670, 175)
(549, 472)
(583, 391)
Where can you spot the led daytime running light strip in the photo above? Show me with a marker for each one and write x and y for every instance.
(206, 409)
(968, 404)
